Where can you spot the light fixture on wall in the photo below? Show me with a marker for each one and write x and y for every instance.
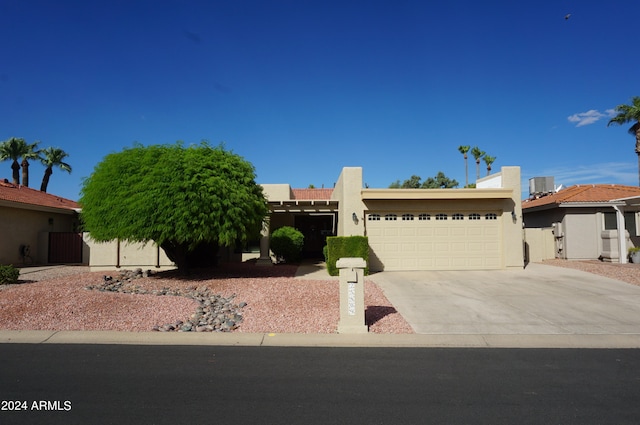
(514, 217)
(354, 216)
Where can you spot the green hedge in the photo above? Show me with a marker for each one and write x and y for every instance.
(345, 246)
(287, 243)
(8, 274)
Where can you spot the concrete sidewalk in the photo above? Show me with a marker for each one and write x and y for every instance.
(599, 341)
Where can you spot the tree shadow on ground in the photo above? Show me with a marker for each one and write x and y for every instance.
(375, 313)
(17, 282)
(245, 270)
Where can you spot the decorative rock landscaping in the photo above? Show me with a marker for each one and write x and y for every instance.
(215, 313)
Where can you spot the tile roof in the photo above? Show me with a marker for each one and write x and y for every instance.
(584, 193)
(312, 194)
(24, 195)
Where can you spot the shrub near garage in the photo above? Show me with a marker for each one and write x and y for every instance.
(8, 274)
(286, 243)
(345, 246)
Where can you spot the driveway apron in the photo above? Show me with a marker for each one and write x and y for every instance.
(538, 300)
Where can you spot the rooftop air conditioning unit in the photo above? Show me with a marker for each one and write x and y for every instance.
(539, 186)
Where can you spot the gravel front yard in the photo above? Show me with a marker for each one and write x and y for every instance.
(56, 298)
(629, 272)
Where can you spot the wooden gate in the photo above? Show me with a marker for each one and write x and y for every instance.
(65, 247)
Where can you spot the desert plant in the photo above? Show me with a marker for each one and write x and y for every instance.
(8, 274)
(286, 243)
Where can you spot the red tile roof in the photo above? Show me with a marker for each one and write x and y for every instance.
(24, 195)
(584, 193)
(312, 194)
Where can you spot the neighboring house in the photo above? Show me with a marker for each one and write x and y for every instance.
(37, 227)
(408, 229)
(585, 220)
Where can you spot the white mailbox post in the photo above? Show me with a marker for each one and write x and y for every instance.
(352, 295)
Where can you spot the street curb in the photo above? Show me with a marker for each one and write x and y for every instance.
(599, 341)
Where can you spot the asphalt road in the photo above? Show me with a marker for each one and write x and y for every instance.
(125, 384)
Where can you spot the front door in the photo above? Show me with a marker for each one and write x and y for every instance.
(315, 229)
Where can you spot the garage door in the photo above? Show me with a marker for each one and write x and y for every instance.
(435, 240)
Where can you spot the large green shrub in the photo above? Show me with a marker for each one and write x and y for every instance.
(187, 199)
(345, 246)
(8, 274)
(286, 243)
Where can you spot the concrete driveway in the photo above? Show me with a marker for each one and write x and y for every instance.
(539, 300)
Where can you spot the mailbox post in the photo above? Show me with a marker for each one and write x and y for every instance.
(352, 295)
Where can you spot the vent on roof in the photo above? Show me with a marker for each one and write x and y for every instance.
(540, 186)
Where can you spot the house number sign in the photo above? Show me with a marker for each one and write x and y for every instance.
(351, 298)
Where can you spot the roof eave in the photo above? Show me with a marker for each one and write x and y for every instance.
(589, 204)
(550, 206)
(33, 207)
(311, 205)
(435, 194)
(629, 201)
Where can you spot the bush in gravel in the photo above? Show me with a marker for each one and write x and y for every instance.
(8, 274)
(287, 243)
(345, 246)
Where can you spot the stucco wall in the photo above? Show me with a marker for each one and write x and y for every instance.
(347, 192)
(539, 244)
(113, 255)
(20, 226)
(582, 241)
(277, 192)
(493, 181)
(543, 218)
(512, 229)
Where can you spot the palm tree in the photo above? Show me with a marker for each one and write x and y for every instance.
(463, 150)
(626, 114)
(477, 154)
(489, 160)
(31, 153)
(13, 149)
(52, 157)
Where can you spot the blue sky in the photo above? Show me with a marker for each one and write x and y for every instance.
(302, 88)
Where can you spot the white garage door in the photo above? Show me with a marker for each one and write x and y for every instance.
(435, 240)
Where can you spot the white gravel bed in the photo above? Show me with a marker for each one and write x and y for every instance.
(56, 299)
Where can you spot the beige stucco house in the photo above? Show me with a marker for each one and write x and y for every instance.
(595, 221)
(38, 227)
(408, 229)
